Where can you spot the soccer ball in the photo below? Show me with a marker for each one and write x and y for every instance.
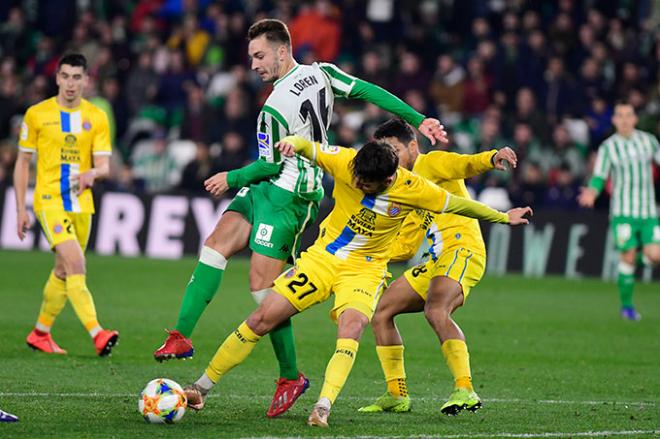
(162, 401)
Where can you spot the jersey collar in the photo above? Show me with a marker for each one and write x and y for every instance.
(288, 74)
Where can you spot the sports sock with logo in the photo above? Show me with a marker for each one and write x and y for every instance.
(203, 285)
(458, 360)
(53, 302)
(391, 360)
(626, 283)
(233, 351)
(339, 367)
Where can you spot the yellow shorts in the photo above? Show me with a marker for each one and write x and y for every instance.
(318, 274)
(461, 265)
(60, 226)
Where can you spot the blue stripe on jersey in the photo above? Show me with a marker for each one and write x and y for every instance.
(369, 201)
(431, 236)
(65, 186)
(344, 238)
(65, 119)
(464, 268)
(452, 263)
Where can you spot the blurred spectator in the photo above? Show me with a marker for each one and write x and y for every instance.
(563, 190)
(478, 94)
(198, 170)
(447, 89)
(565, 153)
(234, 154)
(141, 84)
(411, 75)
(154, 166)
(316, 29)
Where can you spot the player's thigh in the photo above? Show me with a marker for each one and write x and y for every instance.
(230, 234)
(399, 298)
(358, 287)
(279, 219)
(308, 282)
(650, 231)
(626, 234)
(82, 224)
(461, 267)
(264, 270)
(57, 226)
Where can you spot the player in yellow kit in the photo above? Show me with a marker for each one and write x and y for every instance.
(439, 286)
(71, 138)
(372, 198)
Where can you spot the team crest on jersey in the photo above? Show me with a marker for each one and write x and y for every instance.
(394, 209)
(70, 140)
(329, 149)
(57, 228)
(87, 125)
(457, 236)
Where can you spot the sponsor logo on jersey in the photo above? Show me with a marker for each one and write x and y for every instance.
(87, 125)
(264, 233)
(394, 209)
(264, 144)
(57, 228)
(329, 149)
(70, 140)
(243, 192)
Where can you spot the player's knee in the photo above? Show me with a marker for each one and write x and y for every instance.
(436, 313)
(259, 323)
(653, 254)
(75, 265)
(60, 272)
(351, 324)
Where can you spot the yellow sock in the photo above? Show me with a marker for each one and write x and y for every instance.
(391, 360)
(233, 351)
(458, 361)
(81, 299)
(53, 302)
(339, 367)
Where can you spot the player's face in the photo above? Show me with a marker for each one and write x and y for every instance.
(624, 119)
(407, 153)
(71, 82)
(265, 58)
(370, 187)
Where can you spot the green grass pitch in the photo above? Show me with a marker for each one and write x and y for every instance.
(550, 358)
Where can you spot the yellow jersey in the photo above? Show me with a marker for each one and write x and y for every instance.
(361, 227)
(447, 231)
(65, 140)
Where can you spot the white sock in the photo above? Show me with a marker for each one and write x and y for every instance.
(205, 383)
(325, 403)
(95, 330)
(43, 328)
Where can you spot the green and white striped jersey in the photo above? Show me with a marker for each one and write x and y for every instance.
(301, 103)
(629, 162)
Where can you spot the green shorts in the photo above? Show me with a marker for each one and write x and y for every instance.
(278, 218)
(630, 233)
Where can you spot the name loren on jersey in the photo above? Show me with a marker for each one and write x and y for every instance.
(302, 84)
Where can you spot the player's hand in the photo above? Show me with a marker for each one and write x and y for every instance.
(86, 180)
(433, 130)
(587, 197)
(217, 185)
(22, 224)
(286, 148)
(517, 215)
(505, 159)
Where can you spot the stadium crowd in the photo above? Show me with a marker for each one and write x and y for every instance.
(174, 78)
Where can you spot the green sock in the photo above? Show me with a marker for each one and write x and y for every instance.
(626, 283)
(285, 350)
(202, 287)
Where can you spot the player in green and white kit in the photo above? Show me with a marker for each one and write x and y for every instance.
(280, 195)
(627, 157)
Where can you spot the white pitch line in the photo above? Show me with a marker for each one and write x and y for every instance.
(347, 398)
(477, 435)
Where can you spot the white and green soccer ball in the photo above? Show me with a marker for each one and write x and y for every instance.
(162, 402)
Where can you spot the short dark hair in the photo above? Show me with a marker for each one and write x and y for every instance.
(397, 128)
(74, 60)
(274, 30)
(375, 161)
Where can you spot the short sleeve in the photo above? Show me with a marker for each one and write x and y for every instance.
(27, 141)
(101, 145)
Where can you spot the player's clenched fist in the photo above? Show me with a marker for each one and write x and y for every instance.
(517, 215)
(285, 148)
(217, 185)
(504, 156)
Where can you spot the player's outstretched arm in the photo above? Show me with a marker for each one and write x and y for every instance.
(21, 178)
(345, 85)
(443, 165)
(256, 171)
(475, 209)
